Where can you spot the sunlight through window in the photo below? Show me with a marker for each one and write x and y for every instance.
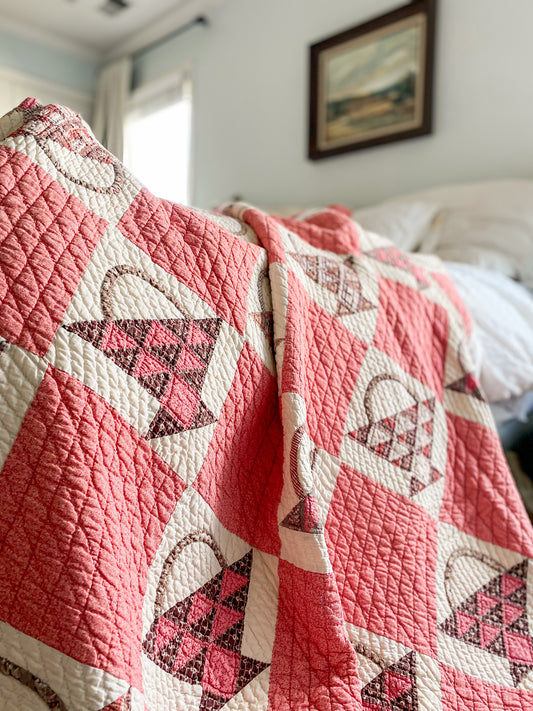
(158, 138)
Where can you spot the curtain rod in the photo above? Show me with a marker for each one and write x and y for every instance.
(200, 20)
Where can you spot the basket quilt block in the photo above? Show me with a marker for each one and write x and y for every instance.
(244, 463)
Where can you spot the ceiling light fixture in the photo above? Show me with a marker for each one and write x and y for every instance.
(114, 7)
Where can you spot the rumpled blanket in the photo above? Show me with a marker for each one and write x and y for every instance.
(243, 461)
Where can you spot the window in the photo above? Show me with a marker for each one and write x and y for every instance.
(157, 136)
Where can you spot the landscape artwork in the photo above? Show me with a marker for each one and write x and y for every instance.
(371, 88)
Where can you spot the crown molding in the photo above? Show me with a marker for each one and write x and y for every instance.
(17, 76)
(49, 39)
(171, 22)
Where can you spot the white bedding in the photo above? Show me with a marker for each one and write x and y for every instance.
(516, 408)
(488, 224)
(502, 339)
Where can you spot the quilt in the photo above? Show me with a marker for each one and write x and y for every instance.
(244, 463)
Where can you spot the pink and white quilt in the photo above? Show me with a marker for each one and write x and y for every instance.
(243, 461)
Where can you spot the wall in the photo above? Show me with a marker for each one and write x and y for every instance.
(250, 71)
(55, 75)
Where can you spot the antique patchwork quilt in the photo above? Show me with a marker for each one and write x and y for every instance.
(243, 461)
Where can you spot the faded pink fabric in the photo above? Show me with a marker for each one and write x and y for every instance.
(244, 462)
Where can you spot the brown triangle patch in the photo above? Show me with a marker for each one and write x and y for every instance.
(193, 670)
(497, 646)
(265, 321)
(135, 328)
(194, 377)
(519, 671)
(304, 517)
(91, 331)
(156, 384)
(465, 386)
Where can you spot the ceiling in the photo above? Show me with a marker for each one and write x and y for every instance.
(82, 25)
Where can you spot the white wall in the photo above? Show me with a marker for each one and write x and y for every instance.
(251, 75)
(51, 74)
(17, 86)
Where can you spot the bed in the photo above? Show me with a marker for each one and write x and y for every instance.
(245, 461)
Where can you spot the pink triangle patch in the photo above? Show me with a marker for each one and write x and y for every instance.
(428, 426)
(201, 606)
(231, 583)
(426, 451)
(396, 685)
(158, 335)
(464, 622)
(188, 361)
(405, 462)
(116, 340)
(510, 584)
(383, 448)
(196, 335)
(166, 631)
(470, 384)
(487, 633)
(147, 364)
(181, 401)
(224, 619)
(189, 648)
(388, 423)
(510, 613)
(485, 603)
(518, 648)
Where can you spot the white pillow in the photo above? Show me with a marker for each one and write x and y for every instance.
(487, 235)
(502, 312)
(510, 194)
(488, 223)
(405, 223)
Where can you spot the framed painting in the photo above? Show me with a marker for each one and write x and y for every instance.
(372, 84)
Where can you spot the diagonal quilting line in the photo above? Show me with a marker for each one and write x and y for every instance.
(81, 612)
(9, 486)
(42, 301)
(14, 224)
(215, 229)
(209, 276)
(474, 448)
(89, 463)
(46, 227)
(374, 564)
(88, 588)
(10, 154)
(112, 602)
(338, 392)
(266, 478)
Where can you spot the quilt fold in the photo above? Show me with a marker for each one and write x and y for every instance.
(244, 463)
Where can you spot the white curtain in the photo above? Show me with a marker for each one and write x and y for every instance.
(112, 93)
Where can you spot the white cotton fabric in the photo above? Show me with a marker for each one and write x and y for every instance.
(491, 237)
(405, 223)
